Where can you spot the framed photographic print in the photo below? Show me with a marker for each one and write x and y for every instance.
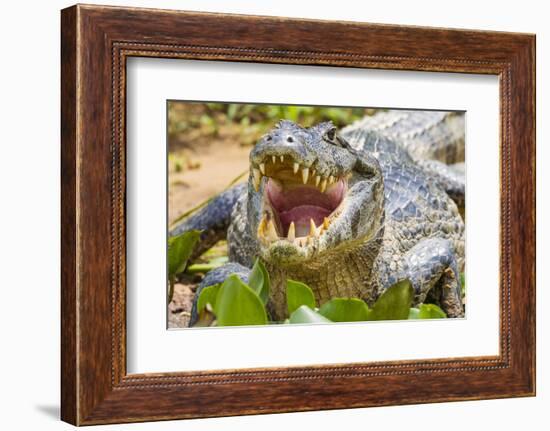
(288, 207)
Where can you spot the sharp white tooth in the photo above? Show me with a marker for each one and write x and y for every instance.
(257, 178)
(305, 175)
(273, 159)
(282, 159)
(317, 180)
(261, 227)
(296, 167)
(262, 168)
(271, 231)
(323, 185)
(291, 232)
(312, 228)
(330, 179)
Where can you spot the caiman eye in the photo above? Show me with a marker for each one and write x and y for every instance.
(330, 135)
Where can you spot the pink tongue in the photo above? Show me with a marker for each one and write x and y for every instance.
(301, 216)
(294, 196)
(300, 204)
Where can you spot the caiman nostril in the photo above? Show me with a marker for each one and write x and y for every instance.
(290, 139)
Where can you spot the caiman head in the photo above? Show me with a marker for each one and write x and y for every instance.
(311, 194)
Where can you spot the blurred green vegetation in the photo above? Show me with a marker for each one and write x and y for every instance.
(189, 121)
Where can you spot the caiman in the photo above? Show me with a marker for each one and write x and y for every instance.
(348, 212)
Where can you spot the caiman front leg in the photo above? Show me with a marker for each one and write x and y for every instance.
(432, 268)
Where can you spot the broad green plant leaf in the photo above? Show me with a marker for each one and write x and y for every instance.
(208, 295)
(206, 267)
(180, 248)
(220, 260)
(345, 310)
(394, 304)
(304, 314)
(298, 294)
(427, 311)
(237, 304)
(414, 313)
(431, 311)
(259, 281)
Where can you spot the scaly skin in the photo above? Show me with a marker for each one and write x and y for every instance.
(426, 135)
(395, 221)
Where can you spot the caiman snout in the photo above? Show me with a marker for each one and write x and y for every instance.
(281, 142)
(300, 197)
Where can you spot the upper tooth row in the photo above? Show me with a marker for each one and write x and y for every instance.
(320, 181)
(274, 160)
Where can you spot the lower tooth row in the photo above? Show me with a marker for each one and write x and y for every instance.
(267, 230)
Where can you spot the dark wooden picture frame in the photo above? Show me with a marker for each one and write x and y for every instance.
(95, 44)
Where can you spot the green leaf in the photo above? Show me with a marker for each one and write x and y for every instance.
(431, 311)
(180, 248)
(256, 278)
(394, 303)
(427, 311)
(201, 267)
(345, 310)
(208, 296)
(298, 294)
(304, 314)
(414, 313)
(220, 260)
(259, 280)
(237, 304)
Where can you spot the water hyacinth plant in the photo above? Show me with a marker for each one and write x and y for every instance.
(236, 303)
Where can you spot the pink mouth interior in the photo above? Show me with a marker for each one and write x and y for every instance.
(300, 203)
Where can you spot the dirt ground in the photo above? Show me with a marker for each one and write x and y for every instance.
(179, 309)
(213, 168)
(198, 171)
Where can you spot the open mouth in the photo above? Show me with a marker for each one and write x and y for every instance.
(298, 203)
